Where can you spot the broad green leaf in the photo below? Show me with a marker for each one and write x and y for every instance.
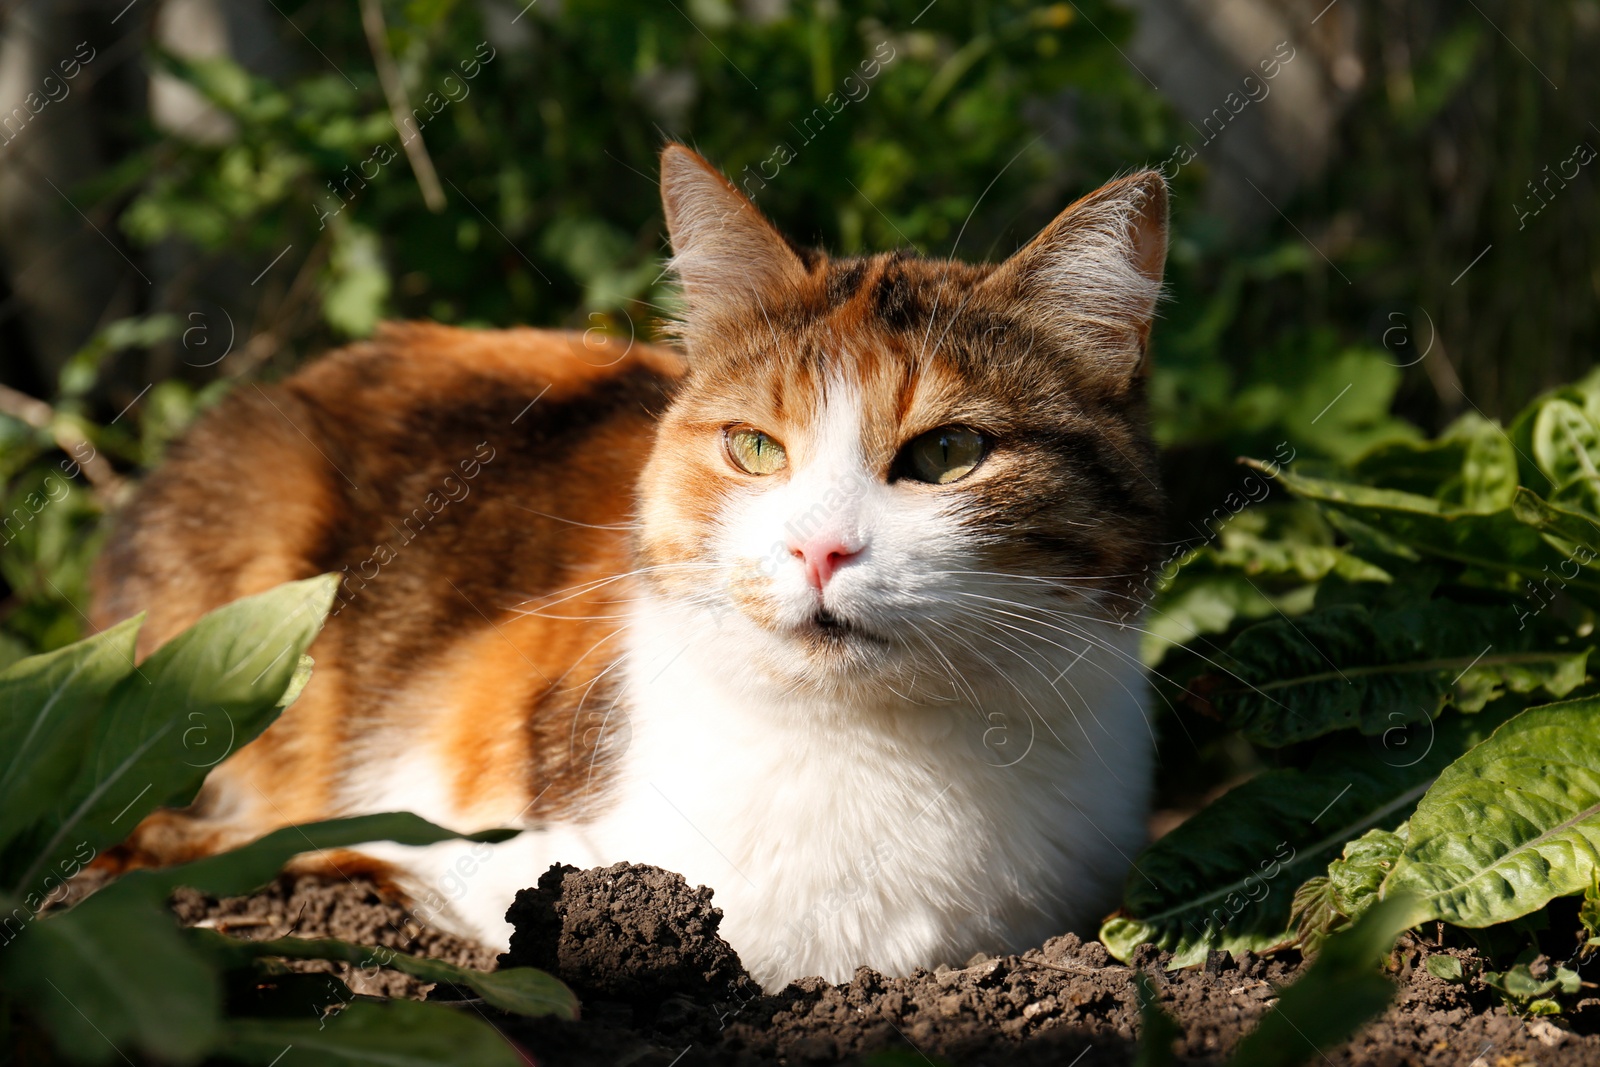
(1342, 989)
(205, 693)
(1364, 381)
(1420, 467)
(1583, 395)
(47, 704)
(1492, 541)
(1566, 445)
(391, 1033)
(1471, 465)
(1289, 680)
(1264, 560)
(113, 977)
(522, 990)
(1574, 526)
(1203, 602)
(1226, 878)
(1511, 825)
(249, 867)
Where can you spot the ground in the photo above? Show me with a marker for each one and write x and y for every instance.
(660, 988)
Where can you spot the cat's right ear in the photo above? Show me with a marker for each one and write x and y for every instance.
(729, 258)
(1092, 277)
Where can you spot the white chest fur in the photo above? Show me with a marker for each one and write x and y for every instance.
(895, 836)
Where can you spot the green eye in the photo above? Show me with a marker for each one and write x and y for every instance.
(941, 456)
(753, 451)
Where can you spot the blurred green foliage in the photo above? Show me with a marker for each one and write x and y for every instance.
(955, 129)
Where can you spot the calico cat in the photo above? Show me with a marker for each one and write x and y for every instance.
(835, 612)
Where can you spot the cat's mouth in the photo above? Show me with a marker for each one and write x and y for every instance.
(832, 630)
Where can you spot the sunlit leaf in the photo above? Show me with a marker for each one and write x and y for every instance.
(1510, 826)
(203, 694)
(47, 706)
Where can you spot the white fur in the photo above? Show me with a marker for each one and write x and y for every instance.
(901, 811)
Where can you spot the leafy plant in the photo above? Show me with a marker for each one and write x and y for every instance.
(1531, 985)
(1396, 692)
(94, 742)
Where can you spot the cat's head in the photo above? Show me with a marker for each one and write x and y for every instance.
(876, 464)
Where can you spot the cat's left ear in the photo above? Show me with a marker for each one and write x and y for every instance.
(1091, 278)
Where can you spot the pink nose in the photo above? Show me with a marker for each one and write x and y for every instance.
(822, 556)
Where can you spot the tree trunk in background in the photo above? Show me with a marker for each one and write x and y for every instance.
(1262, 138)
(70, 273)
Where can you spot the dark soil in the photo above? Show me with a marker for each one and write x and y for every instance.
(660, 988)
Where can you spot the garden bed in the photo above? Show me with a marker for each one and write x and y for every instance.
(659, 987)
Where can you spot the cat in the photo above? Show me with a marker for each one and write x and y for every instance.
(831, 607)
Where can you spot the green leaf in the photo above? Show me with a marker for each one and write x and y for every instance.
(1157, 1029)
(1511, 825)
(1315, 913)
(356, 283)
(1472, 465)
(1226, 878)
(1527, 986)
(47, 705)
(1265, 560)
(1199, 603)
(1493, 541)
(1529, 507)
(393, 1033)
(1445, 968)
(1589, 912)
(113, 976)
(1363, 382)
(1290, 680)
(153, 742)
(1357, 874)
(1566, 446)
(1331, 902)
(522, 990)
(1341, 990)
(249, 867)
(298, 681)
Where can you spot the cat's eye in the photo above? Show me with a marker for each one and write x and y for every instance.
(753, 451)
(941, 456)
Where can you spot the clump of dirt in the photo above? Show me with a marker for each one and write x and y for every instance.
(661, 988)
(624, 932)
(352, 910)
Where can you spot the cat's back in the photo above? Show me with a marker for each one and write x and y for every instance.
(425, 457)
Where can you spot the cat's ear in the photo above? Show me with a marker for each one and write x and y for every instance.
(727, 255)
(1093, 276)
